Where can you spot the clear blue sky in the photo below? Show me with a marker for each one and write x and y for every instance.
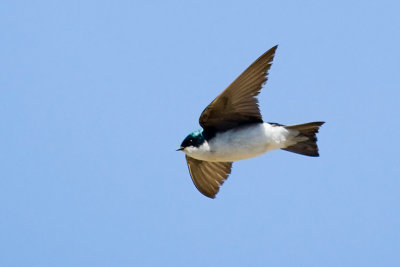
(95, 96)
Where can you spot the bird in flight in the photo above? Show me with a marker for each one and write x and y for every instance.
(233, 130)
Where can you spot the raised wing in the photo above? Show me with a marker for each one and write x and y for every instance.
(208, 176)
(238, 104)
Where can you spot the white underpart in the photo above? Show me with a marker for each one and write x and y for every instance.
(244, 142)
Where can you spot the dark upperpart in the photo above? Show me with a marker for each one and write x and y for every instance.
(194, 139)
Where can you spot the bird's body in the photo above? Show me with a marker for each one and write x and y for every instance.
(233, 129)
(244, 142)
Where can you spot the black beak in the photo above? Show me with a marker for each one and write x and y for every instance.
(180, 149)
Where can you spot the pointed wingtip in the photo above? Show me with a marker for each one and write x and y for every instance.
(271, 51)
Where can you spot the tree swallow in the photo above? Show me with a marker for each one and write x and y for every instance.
(233, 130)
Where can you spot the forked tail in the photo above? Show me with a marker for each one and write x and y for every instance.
(309, 146)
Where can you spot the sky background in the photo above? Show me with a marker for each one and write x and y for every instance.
(95, 96)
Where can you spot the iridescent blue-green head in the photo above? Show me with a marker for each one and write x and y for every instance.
(194, 139)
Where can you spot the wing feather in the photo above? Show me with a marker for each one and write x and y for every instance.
(208, 176)
(238, 103)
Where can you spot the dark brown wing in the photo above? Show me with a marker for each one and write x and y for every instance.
(238, 104)
(208, 176)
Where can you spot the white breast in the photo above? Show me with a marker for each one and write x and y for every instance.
(243, 143)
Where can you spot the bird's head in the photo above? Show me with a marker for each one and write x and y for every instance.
(193, 140)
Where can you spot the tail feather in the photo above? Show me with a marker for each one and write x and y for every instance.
(309, 146)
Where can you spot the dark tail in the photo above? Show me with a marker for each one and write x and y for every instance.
(307, 147)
